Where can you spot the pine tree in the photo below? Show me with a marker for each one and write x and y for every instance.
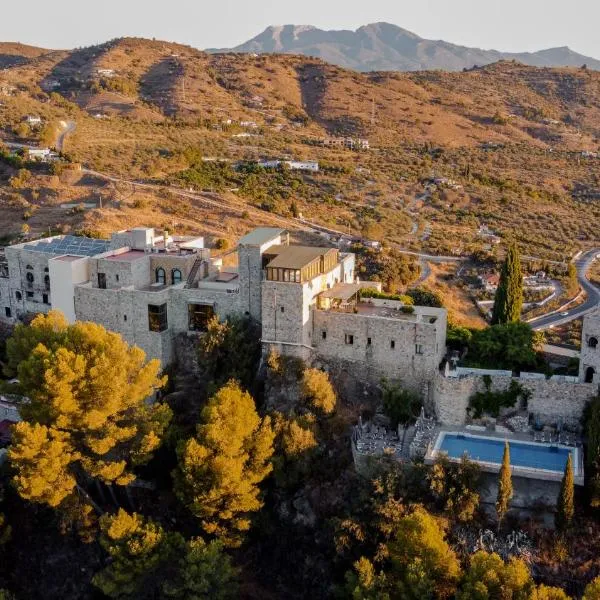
(565, 508)
(148, 562)
(505, 488)
(220, 469)
(88, 417)
(317, 391)
(509, 295)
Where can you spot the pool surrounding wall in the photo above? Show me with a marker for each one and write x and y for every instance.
(448, 397)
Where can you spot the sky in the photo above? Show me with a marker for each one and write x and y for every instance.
(507, 25)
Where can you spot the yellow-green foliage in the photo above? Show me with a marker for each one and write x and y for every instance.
(136, 548)
(221, 468)
(592, 591)
(505, 488)
(545, 592)
(364, 583)
(87, 414)
(318, 391)
(427, 565)
(148, 562)
(488, 576)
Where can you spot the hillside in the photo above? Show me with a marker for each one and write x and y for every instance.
(499, 145)
(386, 47)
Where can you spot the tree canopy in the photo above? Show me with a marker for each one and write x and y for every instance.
(505, 487)
(427, 566)
(148, 562)
(565, 507)
(508, 302)
(220, 469)
(318, 392)
(512, 346)
(88, 416)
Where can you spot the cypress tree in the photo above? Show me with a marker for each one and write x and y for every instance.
(505, 488)
(566, 502)
(508, 301)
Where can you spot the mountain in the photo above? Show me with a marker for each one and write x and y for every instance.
(386, 47)
(15, 53)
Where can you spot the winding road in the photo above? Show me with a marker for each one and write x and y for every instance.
(583, 264)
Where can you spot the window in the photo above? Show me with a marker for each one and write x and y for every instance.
(368, 341)
(125, 318)
(30, 278)
(418, 349)
(349, 339)
(157, 317)
(589, 375)
(102, 281)
(393, 344)
(47, 281)
(29, 268)
(323, 335)
(7, 311)
(199, 316)
(283, 309)
(117, 277)
(176, 276)
(29, 295)
(45, 299)
(18, 296)
(593, 342)
(161, 276)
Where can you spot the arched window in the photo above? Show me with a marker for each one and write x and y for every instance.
(47, 281)
(161, 276)
(176, 276)
(18, 296)
(29, 277)
(593, 342)
(589, 374)
(46, 270)
(29, 268)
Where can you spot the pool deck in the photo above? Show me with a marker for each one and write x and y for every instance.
(433, 452)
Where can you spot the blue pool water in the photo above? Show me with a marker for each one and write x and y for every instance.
(537, 456)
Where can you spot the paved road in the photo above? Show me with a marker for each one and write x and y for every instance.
(583, 264)
(66, 127)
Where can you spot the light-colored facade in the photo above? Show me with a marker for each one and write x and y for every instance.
(152, 287)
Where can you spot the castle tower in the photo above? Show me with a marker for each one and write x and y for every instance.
(250, 265)
(589, 362)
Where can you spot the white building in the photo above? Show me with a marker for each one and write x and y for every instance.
(43, 154)
(33, 120)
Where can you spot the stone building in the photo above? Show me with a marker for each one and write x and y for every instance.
(589, 361)
(153, 287)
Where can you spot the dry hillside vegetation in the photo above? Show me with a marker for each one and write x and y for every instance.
(504, 141)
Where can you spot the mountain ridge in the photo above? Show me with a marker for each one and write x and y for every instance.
(386, 47)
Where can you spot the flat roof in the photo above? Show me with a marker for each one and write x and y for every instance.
(128, 256)
(68, 258)
(260, 236)
(69, 244)
(296, 257)
(342, 291)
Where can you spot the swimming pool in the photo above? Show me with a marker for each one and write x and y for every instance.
(528, 455)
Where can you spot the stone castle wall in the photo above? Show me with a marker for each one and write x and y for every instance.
(553, 399)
